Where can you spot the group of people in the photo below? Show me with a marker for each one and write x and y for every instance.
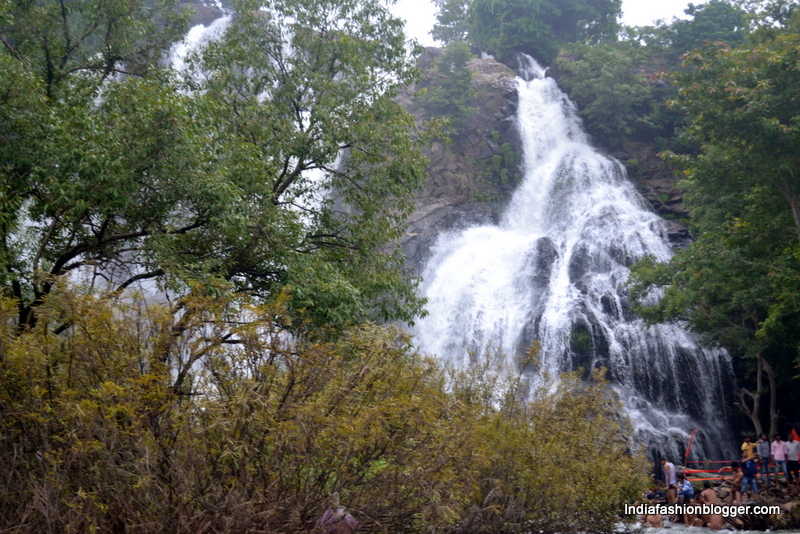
(755, 458)
(785, 455)
(681, 491)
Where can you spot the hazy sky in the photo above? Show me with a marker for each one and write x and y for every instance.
(420, 14)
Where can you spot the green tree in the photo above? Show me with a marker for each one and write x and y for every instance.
(608, 82)
(451, 89)
(451, 21)
(712, 22)
(540, 27)
(281, 165)
(716, 21)
(740, 282)
(616, 101)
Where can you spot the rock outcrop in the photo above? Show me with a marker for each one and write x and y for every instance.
(657, 183)
(470, 178)
(203, 12)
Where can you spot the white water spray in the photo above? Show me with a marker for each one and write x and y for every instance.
(553, 270)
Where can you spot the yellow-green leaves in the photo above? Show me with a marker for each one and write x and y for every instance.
(266, 432)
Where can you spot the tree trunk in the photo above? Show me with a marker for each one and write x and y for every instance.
(755, 397)
(773, 397)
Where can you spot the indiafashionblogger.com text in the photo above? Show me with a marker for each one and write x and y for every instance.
(701, 509)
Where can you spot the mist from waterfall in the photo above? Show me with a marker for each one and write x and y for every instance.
(553, 270)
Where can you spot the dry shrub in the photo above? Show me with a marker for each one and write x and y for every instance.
(139, 418)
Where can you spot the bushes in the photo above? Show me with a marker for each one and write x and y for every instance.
(264, 432)
(618, 102)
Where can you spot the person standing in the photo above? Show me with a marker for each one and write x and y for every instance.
(748, 475)
(764, 452)
(793, 458)
(779, 455)
(736, 484)
(671, 480)
(748, 448)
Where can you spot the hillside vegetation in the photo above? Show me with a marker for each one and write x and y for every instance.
(192, 263)
(266, 434)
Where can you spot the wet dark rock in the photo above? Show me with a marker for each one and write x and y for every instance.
(678, 235)
(653, 177)
(578, 265)
(463, 189)
(546, 254)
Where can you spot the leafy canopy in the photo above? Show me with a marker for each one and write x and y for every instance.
(536, 27)
(451, 90)
(540, 27)
(278, 165)
(615, 99)
(739, 283)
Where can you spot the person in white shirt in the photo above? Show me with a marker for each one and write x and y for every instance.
(793, 459)
(671, 480)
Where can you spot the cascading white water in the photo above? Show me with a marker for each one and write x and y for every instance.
(554, 270)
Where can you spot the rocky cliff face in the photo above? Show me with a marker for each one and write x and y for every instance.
(473, 171)
(657, 183)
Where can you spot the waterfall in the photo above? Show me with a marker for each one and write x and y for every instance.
(553, 270)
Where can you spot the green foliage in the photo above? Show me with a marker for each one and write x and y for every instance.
(739, 284)
(508, 155)
(616, 101)
(82, 43)
(712, 22)
(540, 27)
(743, 105)
(496, 163)
(269, 168)
(451, 21)
(451, 89)
(266, 434)
(580, 340)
